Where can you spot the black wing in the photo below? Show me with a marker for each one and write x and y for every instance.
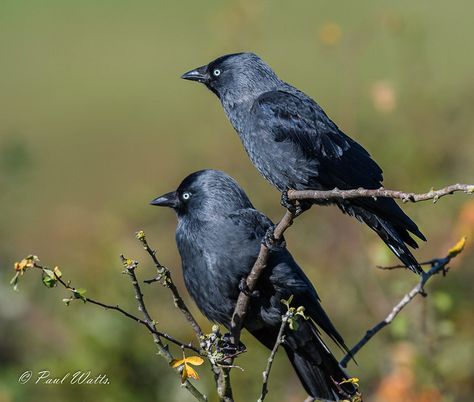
(290, 280)
(341, 161)
(336, 159)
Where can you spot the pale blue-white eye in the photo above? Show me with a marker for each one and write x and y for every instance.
(186, 196)
(216, 72)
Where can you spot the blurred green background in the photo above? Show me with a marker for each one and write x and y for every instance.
(95, 122)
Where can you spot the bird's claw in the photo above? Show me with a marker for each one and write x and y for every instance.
(295, 208)
(245, 289)
(301, 207)
(270, 242)
(228, 348)
(285, 202)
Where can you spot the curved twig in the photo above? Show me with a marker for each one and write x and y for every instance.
(438, 266)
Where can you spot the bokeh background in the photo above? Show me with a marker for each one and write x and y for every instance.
(95, 122)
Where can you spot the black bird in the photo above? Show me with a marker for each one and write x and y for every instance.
(295, 145)
(218, 237)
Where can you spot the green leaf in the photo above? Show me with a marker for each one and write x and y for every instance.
(49, 272)
(140, 235)
(293, 323)
(49, 278)
(79, 294)
(49, 281)
(287, 303)
(300, 311)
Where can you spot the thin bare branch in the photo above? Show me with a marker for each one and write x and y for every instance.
(381, 192)
(438, 266)
(399, 266)
(117, 308)
(130, 266)
(147, 322)
(164, 276)
(278, 342)
(221, 373)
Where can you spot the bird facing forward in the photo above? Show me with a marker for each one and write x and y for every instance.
(218, 237)
(295, 145)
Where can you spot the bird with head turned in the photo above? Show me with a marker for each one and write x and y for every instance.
(296, 146)
(218, 235)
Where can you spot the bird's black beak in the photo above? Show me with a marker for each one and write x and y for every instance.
(199, 74)
(170, 200)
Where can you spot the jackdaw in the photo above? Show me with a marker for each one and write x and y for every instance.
(218, 235)
(295, 145)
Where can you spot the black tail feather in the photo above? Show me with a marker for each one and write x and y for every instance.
(393, 228)
(395, 238)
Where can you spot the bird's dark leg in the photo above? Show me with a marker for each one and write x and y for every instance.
(295, 207)
(270, 242)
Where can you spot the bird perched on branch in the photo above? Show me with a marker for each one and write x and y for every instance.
(218, 236)
(295, 145)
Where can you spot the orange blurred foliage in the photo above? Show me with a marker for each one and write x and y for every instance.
(400, 384)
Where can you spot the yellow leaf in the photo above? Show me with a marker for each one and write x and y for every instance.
(194, 360)
(187, 371)
(28, 262)
(184, 374)
(458, 247)
(352, 380)
(176, 363)
(190, 372)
